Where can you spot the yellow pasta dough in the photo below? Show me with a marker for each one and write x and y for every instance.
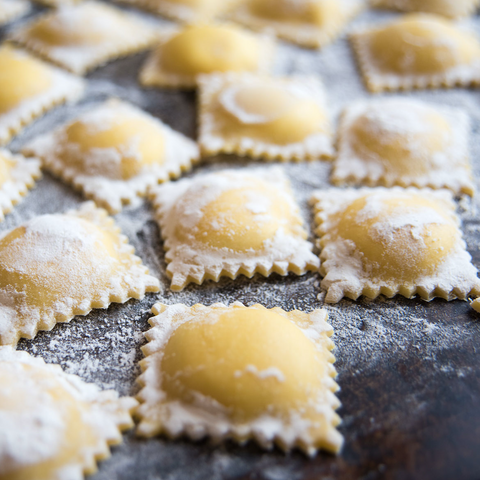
(82, 37)
(231, 223)
(240, 372)
(114, 153)
(281, 118)
(17, 175)
(185, 54)
(401, 141)
(392, 241)
(417, 51)
(57, 266)
(28, 87)
(186, 10)
(54, 424)
(310, 23)
(447, 8)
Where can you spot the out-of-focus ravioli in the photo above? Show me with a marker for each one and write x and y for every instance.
(186, 53)
(12, 9)
(417, 51)
(54, 425)
(310, 23)
(240, 372)
(447, 8)
(262, 117)
(82, 37)
(406, 142)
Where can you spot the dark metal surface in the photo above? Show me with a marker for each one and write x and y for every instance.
(409, 371)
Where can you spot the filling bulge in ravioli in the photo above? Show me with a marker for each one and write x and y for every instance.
(422, 45)
(316, 12)
(137, 142)
(404, 140)
(57, 257)
(50, 422)
(269, 112)
(208, 48)
(243, 219)
(400, 238)
(249, 362)
(86, 26)
(199, 4)
(21, 78)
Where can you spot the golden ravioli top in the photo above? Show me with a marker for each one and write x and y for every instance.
(81, 37)
(210, 48)
(230, 223)
(114, 153)
(137, 139)
(21, 78)
(52, 422)
(201, 48)
(448, 8)
(401, 238)
(392, 241)
(422, 45)
(248, 364)
(319, 12)
(56, 266)
(402, 141)
(264, 117)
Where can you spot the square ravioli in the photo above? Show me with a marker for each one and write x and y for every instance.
(28, 88)
(261, 117)
(190, 11)
(417, 51)
(12, 9)
(241, 373)
(447, 8)
(82, 37)
(231, 223)
(17, 176)
(406, 142)
(56, 266)
(55, 426)
(114, 153)
(309, 23)
(185, 53)
(392, 241)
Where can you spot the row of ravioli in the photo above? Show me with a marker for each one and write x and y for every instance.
(418, 50)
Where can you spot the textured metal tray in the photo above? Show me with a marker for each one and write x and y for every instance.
(409, 371)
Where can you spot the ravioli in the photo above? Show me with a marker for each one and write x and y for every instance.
(54, 425)
(417, 51)
(17, 175)
(447, 8)
(242, 373)
(310, 23)
(57, 266)
(82, 37)
(190, 11)
(231, 223)
(186, 53)
(114, 153)
(392, 241)
(261, 117)
(12, 9)
(28, 88)
(406, 142)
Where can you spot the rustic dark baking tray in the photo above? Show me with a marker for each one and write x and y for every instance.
(409, 371)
